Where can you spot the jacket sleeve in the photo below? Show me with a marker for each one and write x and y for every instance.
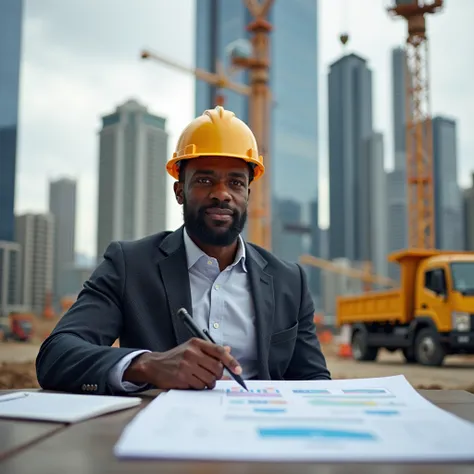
(77, 356)
(308, 361)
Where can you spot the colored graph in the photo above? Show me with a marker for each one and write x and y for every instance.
(269, 410)
(267, 402)
(382, 412)
(314, 392)
(253, 401)
(264, 392)
(341, 403)
(371, 391)
(314, 433)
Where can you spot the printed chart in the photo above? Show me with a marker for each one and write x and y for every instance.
(381, 419)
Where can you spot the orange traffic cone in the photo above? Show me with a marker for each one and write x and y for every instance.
(345, 349)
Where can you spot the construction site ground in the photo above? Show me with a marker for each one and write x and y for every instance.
(17, 368)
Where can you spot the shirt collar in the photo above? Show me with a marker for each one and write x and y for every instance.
(194, 253)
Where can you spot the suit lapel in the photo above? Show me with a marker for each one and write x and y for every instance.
(175, 276)
(264, 303)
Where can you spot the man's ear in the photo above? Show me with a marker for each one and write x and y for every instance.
(178, 192)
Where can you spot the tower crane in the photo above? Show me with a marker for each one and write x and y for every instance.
(258, 91)
(419, 144)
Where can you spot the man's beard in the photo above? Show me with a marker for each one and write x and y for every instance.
(196, 225)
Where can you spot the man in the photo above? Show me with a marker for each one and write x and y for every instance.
(256, 307)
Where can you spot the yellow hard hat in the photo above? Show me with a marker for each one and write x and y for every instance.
(217, 132)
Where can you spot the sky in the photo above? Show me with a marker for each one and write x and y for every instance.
(81, 59)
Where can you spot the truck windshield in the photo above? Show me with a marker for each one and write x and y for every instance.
(463, 277)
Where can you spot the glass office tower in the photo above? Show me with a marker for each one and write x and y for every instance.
(10, 53)
(294, 132)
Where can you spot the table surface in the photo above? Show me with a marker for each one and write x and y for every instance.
(87, 448)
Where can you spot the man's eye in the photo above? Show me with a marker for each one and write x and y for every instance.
(203, 180)
(237, 183)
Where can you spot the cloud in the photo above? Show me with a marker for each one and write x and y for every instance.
(81, 60)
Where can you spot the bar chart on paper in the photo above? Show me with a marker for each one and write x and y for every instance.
(380, 419)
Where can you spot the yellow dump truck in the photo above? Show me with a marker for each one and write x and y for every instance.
(430, 316)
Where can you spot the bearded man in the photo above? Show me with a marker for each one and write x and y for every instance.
(256, 307)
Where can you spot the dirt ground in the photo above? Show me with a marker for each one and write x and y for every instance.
(17, 368)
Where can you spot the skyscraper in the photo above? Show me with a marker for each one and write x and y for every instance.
(132, 181)
(350, 125)
(62, 205)
(399, 106)
(397, 216)
(373, 204)
(10, 53)
(468, 218)
(35, 233)
(448, 198)
(10, 277)
(294, 118)
(396, 179)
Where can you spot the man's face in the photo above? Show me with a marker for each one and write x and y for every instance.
(214, 196)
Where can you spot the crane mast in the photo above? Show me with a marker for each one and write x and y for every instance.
(418, 127)
(258, 65)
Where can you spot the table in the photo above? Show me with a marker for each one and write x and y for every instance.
(86, 448)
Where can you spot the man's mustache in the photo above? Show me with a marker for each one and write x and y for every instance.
(221, 205)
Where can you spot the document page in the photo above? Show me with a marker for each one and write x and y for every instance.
(61, 407)
(380, 419)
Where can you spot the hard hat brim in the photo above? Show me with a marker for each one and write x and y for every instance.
(172, 167)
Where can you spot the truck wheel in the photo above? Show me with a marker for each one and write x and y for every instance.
(409, 355)
(361, 350)
(428, 348)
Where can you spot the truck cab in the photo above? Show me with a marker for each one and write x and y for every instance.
(444, 306)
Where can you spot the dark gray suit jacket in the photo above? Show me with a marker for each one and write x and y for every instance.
(134, 294)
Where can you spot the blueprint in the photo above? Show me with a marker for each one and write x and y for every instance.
(378, 419)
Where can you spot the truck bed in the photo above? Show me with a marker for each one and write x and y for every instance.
(377, 306)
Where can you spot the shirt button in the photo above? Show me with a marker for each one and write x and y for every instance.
(217, 286)
(215, 325)
(209, 262)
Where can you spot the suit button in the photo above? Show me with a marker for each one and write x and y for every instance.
(84, 388)
(95, 386)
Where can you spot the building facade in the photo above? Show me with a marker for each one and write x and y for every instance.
(336, 284)
(132, 185)
(397, 216)
(11, 12)
(293, 153)
(10, 277)
(35, 234)
(468, 210)
(373, 204)
(397, 199)
(448, 197)
(62, 205)
(399, 107)
(350, 126)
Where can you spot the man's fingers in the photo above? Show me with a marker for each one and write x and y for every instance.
(213, 365)
(219, 352)
(228, 360)
(196, 383)
(208, 378)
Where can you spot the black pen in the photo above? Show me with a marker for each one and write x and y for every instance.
(204, 334)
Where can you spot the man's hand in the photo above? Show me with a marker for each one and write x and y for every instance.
(195, 364)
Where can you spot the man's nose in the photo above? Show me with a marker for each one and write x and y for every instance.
(220, 192)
